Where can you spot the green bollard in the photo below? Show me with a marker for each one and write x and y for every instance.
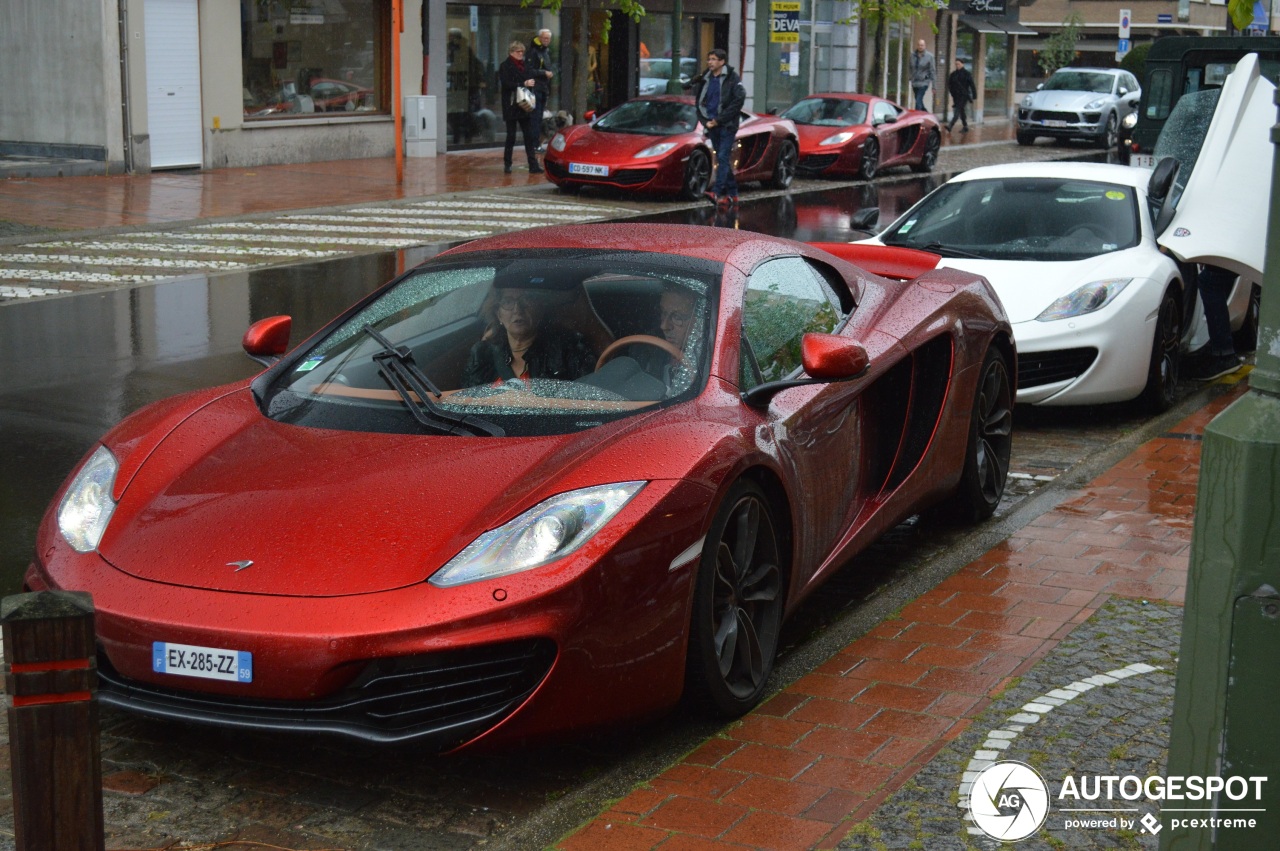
(1226, 711)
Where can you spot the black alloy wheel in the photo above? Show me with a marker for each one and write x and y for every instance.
(737, 606)
(1025, 139)
(784, 170)
(697, 174)
(870, 159)
(986, 461)
(1166, 351)
(930, 156)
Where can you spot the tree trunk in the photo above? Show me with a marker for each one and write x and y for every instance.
(582, 79)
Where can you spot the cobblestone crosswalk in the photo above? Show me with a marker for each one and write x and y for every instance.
(38, 269)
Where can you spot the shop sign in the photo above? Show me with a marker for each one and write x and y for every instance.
(785, 22)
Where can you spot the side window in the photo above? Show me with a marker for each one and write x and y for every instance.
(1159, 87)
(785, 300)
(884, 112)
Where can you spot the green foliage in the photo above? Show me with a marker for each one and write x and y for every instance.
(633, 10)
(1135, 61)
(1241, 12)
(1060, 48)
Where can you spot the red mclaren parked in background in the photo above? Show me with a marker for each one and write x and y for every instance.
(847, 135)
(362, 541)
(655, 145)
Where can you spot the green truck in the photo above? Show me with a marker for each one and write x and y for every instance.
(1178, 65)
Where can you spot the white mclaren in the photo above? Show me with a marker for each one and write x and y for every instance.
(1096, 263)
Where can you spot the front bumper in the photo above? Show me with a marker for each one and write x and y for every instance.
(526, 654)
(1063, 125)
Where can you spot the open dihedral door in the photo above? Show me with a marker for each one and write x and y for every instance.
(1221, 211)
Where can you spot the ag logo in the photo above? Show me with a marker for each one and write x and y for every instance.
(1009, 801)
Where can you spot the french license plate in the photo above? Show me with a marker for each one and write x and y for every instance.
(211, 663)
(1054, 122)
(589, 168)
(1142, 160)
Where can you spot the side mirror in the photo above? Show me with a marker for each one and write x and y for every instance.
(865, 219)
(1123, 91)
(773, 110)
(1039, 86)
(832, 357)
(826, 357)
(268, 339)
(1159, 193)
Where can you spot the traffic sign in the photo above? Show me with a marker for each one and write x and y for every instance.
(1124, 24)
(1164, 19)
(1122, 47)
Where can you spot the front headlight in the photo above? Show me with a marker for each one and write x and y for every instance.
(548, 531)
(1095, 104)
(838, 139)
(1130, 121)
(558, 142)
(656, 150)
(87, 505)
(1086, 299)
(1026, 101)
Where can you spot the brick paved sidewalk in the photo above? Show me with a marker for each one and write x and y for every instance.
(819, 758)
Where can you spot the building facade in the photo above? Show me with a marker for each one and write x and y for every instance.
(167, 84)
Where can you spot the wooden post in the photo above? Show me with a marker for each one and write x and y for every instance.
(50, 679)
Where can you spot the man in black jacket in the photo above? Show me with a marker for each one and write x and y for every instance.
(960, 84)
(720, 96)
(540, 69)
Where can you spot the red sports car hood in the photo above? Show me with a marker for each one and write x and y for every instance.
(329, 513)
(812, 135)
(592, 145)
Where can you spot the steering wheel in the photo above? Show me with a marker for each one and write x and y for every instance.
(1087, 228)
(611, 351)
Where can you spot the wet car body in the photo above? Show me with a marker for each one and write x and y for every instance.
(656, 146)
(853, 135)
(1096, 268)
(1079, 103)
(317, 522)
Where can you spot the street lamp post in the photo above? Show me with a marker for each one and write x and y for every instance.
(1226, 713)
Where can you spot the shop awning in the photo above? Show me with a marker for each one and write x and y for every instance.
(1001, 26)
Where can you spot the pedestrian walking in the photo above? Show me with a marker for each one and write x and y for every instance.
(960, 85)
(719, 94)
(923, 72)
(513, 73)
(540, 70)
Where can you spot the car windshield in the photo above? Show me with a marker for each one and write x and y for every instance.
(462, 327)
(828, 112)
(1081, 81)
(650, 118)
(1021, 218)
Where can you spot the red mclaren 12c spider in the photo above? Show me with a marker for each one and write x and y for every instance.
(655, 145)
(847, 135)
(543, 482)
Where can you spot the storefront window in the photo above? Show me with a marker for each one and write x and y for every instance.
(478, 37)
(699, 34)
(996, 77)
(799, 41)
(313, 58)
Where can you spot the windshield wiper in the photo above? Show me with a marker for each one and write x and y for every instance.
(397, 368)
(949, 251)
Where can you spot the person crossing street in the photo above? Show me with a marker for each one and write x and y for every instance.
(719, 94)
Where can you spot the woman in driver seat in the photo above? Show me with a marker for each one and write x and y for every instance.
(518, 342)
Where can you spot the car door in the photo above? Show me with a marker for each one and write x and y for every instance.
(884, 122)
(815, 428)
(1220, 216)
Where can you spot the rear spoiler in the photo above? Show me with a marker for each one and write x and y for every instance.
(887, 261)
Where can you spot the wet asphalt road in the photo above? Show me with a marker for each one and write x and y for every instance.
(76, 365)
